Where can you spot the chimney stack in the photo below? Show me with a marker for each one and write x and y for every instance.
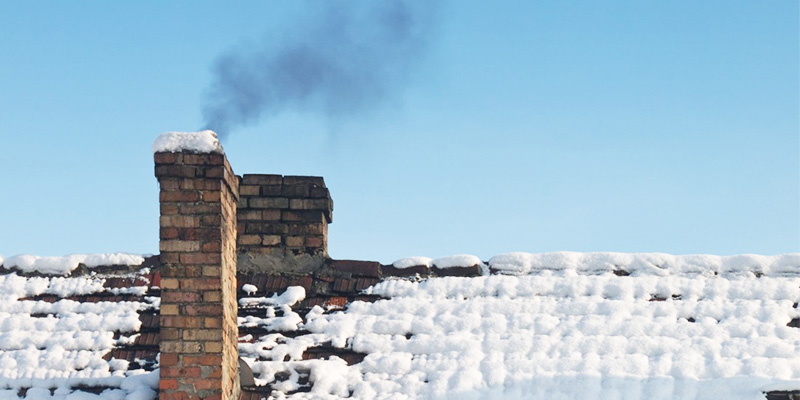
(199, 335)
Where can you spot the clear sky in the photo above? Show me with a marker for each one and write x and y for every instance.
(631, 126)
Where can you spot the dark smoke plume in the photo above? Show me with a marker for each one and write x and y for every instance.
(347, 59)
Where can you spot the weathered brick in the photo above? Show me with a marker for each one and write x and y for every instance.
(165, 158)
(198, 284)
(251, 215)
(181, 321)
(212, 322)
(306, 229)
(294, 191)
(204, 384)
(169, 283)
(298, 179)
(204, 309)
(362, 268)
(178, 346)
(249, 239)
(202, 334)
(200, 258)
(261, 179)
(271, 215)
(167, 383)
(212, 270)
(168, 359)
(303, 215)
(179, 196)
(195, 158)
(169, 309)
(212, 296)
(309, 204)
(269, 202)
(266, 228)
(168, 233)
(211, 247)
(271, 240)
(169, 208)
(271, 190)
(314, 241)
(187, 372)
(179, 297)
(179, 245)
(211, 196)
(213, 359)
(294, 241)
(179, 221)
(249, 190)
(212, 347)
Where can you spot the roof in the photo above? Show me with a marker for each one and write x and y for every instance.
(68, 328)
(533, 326)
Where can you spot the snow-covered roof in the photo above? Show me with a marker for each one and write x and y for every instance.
(543, 326)
(532, 326)
(83, 336)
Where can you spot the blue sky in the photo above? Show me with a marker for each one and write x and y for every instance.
(667, 126)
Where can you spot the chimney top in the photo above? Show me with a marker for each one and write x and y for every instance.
(191, 142)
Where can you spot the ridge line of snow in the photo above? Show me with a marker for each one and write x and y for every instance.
(65, 264)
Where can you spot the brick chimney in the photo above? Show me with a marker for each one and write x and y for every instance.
(198, 197)
(283, 222)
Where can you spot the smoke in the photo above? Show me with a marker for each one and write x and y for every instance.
(341, 61)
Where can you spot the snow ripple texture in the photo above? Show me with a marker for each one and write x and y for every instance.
(553, 335)
(61, 345)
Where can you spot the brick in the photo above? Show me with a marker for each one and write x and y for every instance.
(181, 321)
(211, 196)
(169, 333)
(298, 179)
(269, 202)
(169, 309)
(207, 360)
(303, 216)
(212, 220)
(202, 334)
(212, 296)
(295, 191)
(306, 229)
(179, 297)
(473, 270)
(212, 322)
(211, 247)
(200, 258)
(195, 159)
(294, 241)
(179, 196)
(169, 208)
(212, 270)
(179, 221)
(176, 171)
(179, 347)
(266, 228)
(204, 309)
(205, 384)
(388, 270)
(168, 359)
(251, 215)
(167, 383)
(179, 245)
(318, 192)
(168, 233)
(212, 347)
(271, 215)
(309, 204)
(249, 190)
(271, 190)
(183, 372)
(262, 179)
(314, 241)
(343, 285)
(169, 283)
(200, 208)
(164, 158)
(198, 284)
(204, 234)
(249, 239)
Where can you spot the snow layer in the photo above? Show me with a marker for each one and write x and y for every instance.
(555, 334)
(64, 265)
(195, 142)
(647, 263)
(460, 260)
(412, 262)
(61, 344)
